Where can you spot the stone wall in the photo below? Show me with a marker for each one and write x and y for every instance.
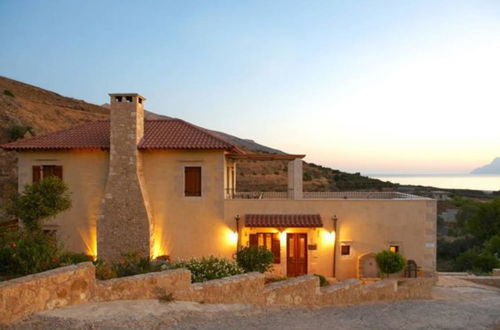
(55, 288)
(77, 284)
(496, 272)
(484, 280)
(246, 288)
(144, 286)
(301, 290)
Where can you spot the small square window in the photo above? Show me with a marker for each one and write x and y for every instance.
(128, 99)
(345, 250)
(394, 248)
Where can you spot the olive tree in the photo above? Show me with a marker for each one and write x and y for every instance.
(39, 201)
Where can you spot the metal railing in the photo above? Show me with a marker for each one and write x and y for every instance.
(231, 194)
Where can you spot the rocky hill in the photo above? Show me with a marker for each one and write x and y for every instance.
(491, 168)
(29, 110)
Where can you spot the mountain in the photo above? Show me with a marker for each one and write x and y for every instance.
(491, 168)
(30, 110)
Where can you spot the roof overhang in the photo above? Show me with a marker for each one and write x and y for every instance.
(264, 156)
(283, 220)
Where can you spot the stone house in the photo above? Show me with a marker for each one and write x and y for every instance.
(168, 188)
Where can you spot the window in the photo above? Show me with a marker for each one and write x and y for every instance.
(270, 241)
(192, 181)
(394, 248)
(44, 171)
(345, 250)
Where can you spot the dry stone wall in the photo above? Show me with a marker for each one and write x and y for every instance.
(77, 284)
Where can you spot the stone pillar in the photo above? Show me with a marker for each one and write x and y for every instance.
(125, 223)
(430, 234)
(295, 179)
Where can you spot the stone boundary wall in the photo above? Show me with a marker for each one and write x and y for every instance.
(245, 288)
(484, 280)
(76, 284)
(55, 288)
(144, 286)
(496, 271)
(301, 290)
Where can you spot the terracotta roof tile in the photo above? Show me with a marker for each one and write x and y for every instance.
(283, 220)
(158, 134)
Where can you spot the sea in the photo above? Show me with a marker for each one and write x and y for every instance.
(485, 182)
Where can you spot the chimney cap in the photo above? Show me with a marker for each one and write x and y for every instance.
(128, 94)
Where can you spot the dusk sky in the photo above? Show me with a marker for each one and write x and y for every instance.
(370, 86)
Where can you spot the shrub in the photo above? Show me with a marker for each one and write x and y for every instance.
(477, 261)
(24, 253)
(40, 200)
(322, 280)
(254, 259)
(208, 268)
(390, 262)
(104, 270)
(493, 245)
(70, 258)
(8, 93)
(132, 263)
(16, 132)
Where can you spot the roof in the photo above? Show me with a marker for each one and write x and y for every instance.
(158, 134)
(283, 220)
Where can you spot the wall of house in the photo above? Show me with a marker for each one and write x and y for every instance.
(85, 173)
(367, 225)
(187, 227)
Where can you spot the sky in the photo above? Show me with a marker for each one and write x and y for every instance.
(362, 86)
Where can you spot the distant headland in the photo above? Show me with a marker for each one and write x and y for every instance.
(492, 168)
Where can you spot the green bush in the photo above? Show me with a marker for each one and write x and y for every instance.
(16, 132)
(254, 259)
(132, 263)
(24, 253)
(477, 261)
(104, 270)
(208, 268)
(390, 262)
(70, 258)
(322, 280)
(40, 200)
(8, 93)
(493, 245)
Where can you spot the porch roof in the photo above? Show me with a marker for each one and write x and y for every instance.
(283, 220)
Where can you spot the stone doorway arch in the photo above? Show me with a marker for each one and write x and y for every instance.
(367, 266)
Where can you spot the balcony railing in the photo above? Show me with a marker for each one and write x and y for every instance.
(231, 194)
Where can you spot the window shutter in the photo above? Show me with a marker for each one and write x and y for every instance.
(253, 240)
(192, 183)
(58, 171)
(37, 173)
(275, 248)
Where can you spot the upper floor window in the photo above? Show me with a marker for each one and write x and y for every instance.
(192, 181)
(44, 171)
(270, 241)
(345, 250)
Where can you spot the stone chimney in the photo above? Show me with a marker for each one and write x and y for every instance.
(125, 223)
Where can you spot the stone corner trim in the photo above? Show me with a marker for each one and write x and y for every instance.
(76, 284)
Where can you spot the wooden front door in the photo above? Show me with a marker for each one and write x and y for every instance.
(296, 254)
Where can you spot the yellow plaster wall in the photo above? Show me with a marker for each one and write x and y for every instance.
(368, 226)
(85, 174)
(188, 226)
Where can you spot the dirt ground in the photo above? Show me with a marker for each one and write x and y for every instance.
(457, 304)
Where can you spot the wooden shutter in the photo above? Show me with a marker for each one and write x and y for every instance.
(275, 248)
(192, 183)
(37, 173)
(254, 241)
(58, 171)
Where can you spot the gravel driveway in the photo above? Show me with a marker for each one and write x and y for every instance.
(457, 304)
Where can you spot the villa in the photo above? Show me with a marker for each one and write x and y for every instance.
(168, 188)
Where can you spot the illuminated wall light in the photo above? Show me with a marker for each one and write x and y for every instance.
(328, 237)
(232, 237)
(282, 237)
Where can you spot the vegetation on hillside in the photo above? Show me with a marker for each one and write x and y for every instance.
(474, 242)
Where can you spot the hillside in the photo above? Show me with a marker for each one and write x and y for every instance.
(26, 109)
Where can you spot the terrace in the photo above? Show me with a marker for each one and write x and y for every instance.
(295, 184)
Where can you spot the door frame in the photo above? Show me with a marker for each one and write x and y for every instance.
(297, 251)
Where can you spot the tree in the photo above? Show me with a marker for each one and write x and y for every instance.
(390, 262)
(39, 201)
(486, 221)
